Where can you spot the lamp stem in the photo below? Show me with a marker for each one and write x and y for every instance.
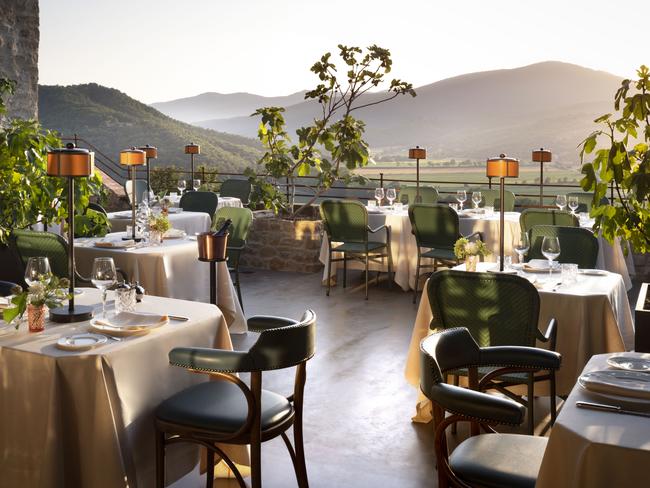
(417, 181)
(148, 177)
(541, 184)
(131, 169)
(501, 222)
(192, 169)
(71, 241)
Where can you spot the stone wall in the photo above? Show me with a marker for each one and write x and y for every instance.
(283, 245)
(19, 37)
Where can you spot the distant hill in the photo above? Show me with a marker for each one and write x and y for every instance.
(213, 105)
(113, 121)
(478, 115)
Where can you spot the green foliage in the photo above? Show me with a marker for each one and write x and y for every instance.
(49, 290)
(624, 162)
(333, 145)
(91, 224)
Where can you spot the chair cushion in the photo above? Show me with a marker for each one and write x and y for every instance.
(358, 246)
(498, 460)
(440, 253)
(220, 406)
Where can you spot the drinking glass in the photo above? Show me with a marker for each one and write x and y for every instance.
(560, 201)
(38, 268)
(391, 196)
(379, 195)
(103, 277)
(461, 196)
(476, 198)
(181, 185)
(522, 246)
(551, 251)
(196, 184)
(573, 204)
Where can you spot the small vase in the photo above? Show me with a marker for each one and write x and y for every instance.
(470, 263)
(36, 317)
(155, 238)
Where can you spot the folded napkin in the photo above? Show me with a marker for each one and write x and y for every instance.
(173, 210)
(115, 244)
(539, 265)
(174, 234)
(133, 320)
(617, 382)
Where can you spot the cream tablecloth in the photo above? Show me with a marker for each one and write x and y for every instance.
(191, 222)
(595, 449)
(170, 270)
(593, 315)
(85, 419)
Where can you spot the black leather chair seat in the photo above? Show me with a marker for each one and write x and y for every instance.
(220, 406)
(498, 460)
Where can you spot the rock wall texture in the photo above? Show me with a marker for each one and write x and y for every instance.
(19, 37)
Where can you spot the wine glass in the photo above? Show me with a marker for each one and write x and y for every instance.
(476, 198)
(181, 185)
(379, 195)
(196, 184)
(560, 201)
(522, 246)
(461, 196)
(573, 204)
(103, 277)
(551, 251)
(391, 196)
(38, 269)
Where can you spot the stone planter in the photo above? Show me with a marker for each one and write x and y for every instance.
(642, 320)
(283, 245)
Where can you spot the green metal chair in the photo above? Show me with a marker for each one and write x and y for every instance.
(237, 188)
(577, 245)
(346, 227)
(491, 198)
(140, 189)
(242, 219)
(428, 194)
(498, 310)
(228, 411)
(538, 216)
(492, 459)
(585, 200)
(436, 227)
(199, 201)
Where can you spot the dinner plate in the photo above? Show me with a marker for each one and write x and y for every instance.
(81, 342)
(617, 382)
(630, 361)
(593, 272)
(129, 328)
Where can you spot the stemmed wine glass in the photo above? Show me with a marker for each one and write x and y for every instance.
(461, 196)
(560, 201)
(379, 195)
(181, 185)
(522, 246)
(476, 198)
(38, 268)
(103, 277)
(551, 251)
(573, 204)
(391, 196)
(196, 184)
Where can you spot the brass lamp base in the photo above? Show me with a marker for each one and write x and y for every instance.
(63, 315)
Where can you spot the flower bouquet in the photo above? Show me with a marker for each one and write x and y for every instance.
(48, 292)
(470, 251)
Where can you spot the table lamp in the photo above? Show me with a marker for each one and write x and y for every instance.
(70, 162)
(192, 149)
(542, 156)
(417, 153)
(132, 157)
(502, 167)
(150, 152)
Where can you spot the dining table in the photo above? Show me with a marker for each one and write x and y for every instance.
(171, 270)
(596, 448)
(86, 417)
(190, 222)
(593, 315)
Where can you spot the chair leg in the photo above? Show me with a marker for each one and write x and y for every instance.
(209, 474)
(160, 459)
(553, 399)
(391, 273)
(366, 276)
(345, 270)
(531, 404)
(329, 271)
(238, 287)
(417, 279)
(301, 466)
(454, 427)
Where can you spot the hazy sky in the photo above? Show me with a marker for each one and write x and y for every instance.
(157, 50)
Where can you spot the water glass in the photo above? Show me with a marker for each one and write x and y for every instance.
(125, 300)
(551, 251)
(569, 273)
(476, 198)
(196, 184)
(461, 196)
(560, 201)
(399, 206)
(454, 206)
(507, 262)
(489, 210)
(379, 195)
(372, 204)
(103, 277)
(181, 185)
(522, 246)
(38, 269)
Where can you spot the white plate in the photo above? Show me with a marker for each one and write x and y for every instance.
(617, 382)
(175, 234)
(593, 272)
(173, 210)
(540, 266)
(630, 362)
(81, 342)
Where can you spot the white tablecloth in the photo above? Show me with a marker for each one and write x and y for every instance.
(593, 315)
(595, 449)
(170, 270)
(86, 418)
(191, 222)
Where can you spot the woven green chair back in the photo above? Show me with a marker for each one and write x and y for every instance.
(140, 189)
(236, 188)
(242, 219)
(31, 243)
(428, 194)
(531, 217)
(577, 245)
(345, 220)
(497, 309)
(434, 225)
(492, 198)
(199, 201)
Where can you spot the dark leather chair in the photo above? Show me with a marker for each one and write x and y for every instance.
(228, 411)
(491, 459)
(6, 287)
(199, 201)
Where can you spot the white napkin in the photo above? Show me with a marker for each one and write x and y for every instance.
(133, 320)
(174, 234)
(619, 383)
(539, 265)
(115, 244)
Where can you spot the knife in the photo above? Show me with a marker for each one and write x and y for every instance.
(178, 317)
(610, 408)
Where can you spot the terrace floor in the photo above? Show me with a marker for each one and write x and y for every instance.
(358, 405)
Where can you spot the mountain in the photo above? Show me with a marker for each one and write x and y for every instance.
(213, 105)
(112, 121)
(478, 115)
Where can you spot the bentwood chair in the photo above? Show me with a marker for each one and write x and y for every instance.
(491, 459)
(538, 216)
(237, 188)
(436, 228)
(96, 207)
(498, 310)
(227, 411)
(585, 200)
(140, 188)
(199, 201)
(242, 219)
(492, 198)
(577, 245)
(347, 229)
(428, 194)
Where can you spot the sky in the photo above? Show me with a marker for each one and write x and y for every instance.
(158, 50)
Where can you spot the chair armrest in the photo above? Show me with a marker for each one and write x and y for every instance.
(520, 357)
(211, 360)
(236, 248)
(550, 335)
(475, 405)
(259, 323)
(372, 231)
(474, 234)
